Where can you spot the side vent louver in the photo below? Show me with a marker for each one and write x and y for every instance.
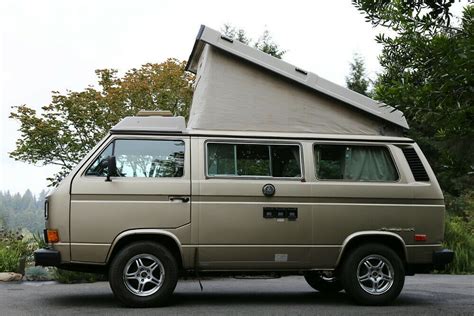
(415, 164)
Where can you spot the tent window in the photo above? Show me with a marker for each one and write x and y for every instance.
(354, 163)
(254, 160)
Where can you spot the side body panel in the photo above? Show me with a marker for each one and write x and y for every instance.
(232, 232)
(344, 209)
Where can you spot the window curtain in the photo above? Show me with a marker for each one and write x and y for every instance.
(368, 164)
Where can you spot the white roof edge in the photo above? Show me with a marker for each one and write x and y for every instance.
(176, 124)
(282, 135)
(214, 38)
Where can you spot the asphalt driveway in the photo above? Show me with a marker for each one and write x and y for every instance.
(422, 295)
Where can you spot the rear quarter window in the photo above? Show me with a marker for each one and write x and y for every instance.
(354, 163)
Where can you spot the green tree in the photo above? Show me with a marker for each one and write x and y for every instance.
(21, 211)
(236, 33)
(74, 122)
(264, 43)
(427, 73)
(357, 79)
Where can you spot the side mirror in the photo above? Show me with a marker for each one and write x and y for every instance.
(112, 168)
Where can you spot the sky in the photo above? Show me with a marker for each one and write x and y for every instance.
(56, 46)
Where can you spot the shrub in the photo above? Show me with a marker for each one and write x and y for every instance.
(38, 274)
(459, 237)
(13, 247)
(459, 231)
(38, 241)
(65, 276)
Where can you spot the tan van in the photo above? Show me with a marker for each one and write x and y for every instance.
(277, 171)
(353, 213)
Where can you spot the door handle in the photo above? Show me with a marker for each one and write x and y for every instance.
(183, 199)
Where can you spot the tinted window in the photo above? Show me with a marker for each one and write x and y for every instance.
(143, 158)
(354, 163)
(253, 160)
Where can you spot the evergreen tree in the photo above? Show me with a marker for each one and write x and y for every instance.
(264, 43)
(357, 79)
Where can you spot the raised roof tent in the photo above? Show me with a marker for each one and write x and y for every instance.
(241, 88)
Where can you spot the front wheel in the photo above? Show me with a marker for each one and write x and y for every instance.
(143, 274)
(373, 274)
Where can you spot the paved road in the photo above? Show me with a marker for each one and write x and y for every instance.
(422, 295)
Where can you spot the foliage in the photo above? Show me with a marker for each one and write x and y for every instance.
(22, 211)
(38, 274)
(68, 277)
(427, 73)
(357, 79)
(236, 33)
(264, 43)
(459, 232)
(459, 237)
(424, 16)
(13, 247)
(74, 122)
(38, 240)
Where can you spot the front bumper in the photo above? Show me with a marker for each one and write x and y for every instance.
(47, 257)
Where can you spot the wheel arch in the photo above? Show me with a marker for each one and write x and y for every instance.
(165, 238)
(390, 239)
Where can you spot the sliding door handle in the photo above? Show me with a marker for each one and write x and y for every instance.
(184, 199)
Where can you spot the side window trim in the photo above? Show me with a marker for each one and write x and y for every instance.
(242, 142)
(366, 144)
(113, 147)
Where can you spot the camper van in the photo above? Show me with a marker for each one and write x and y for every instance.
(276, 172)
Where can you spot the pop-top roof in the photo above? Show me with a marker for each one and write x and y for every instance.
(208, 36)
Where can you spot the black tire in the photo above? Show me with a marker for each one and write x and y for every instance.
(155, 291)
(323, 283)
(378, 285)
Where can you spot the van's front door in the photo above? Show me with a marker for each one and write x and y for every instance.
(249, 198)
(151, 191)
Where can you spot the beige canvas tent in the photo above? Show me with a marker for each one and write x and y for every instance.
(241, 88)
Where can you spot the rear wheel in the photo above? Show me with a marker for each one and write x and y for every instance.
(143, 274)
(373, 274)
(324, 282)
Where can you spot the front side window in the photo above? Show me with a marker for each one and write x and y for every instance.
(255, 160)
(354, 163)
(142, 158)
(99, 167)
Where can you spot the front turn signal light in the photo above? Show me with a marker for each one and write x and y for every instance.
(53, 235)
